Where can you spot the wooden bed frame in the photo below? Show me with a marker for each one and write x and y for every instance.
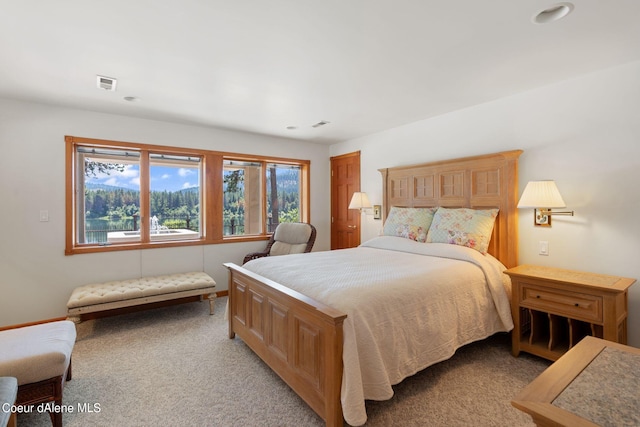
(302, 339)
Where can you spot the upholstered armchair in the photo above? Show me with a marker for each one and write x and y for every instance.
(289, 238)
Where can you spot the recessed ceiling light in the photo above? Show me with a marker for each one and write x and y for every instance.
(131, 98)
(320, 123)
(553, 13)
(292, 127)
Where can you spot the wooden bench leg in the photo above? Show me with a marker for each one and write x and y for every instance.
(69, 371)
(56, 417)
(212, 301)
(75, 319)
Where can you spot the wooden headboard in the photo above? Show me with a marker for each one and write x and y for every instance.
(479, 182)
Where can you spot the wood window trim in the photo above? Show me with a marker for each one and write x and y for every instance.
(211, 205)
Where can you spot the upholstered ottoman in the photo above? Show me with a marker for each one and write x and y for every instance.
(8, 393)
(39, 357)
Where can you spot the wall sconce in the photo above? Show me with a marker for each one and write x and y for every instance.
(377, 211)
(542, 196)
(359, 201)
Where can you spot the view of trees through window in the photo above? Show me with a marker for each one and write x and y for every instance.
(126, 195)
(243, 202)
(283, 194)
(112, 197)
(118, 209)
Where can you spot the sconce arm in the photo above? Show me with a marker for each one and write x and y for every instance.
(543, 211)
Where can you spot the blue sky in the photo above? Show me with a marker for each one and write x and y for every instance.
(162, 178)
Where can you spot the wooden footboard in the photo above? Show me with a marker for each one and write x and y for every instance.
(298, 337)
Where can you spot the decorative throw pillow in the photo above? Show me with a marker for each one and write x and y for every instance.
(410, 223)
(465, 227)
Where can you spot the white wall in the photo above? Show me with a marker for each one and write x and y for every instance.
(584, 133)
(36, 278)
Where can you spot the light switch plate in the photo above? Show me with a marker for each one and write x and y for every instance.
(543, 248)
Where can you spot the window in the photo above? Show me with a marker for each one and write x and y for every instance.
(108, 189)
(242, 210)
(283, 194)
(245, 183)
(107, 195)
(130, 196)
(174, 198)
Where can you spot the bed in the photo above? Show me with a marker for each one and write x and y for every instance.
(344, 326)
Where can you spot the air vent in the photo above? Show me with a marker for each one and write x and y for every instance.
(320, 123)
(553, 13)
(106, 83)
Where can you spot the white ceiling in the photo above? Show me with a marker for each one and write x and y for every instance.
(262, 65)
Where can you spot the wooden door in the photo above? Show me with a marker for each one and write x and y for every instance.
(345, 180)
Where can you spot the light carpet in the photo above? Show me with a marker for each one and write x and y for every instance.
(176, 366)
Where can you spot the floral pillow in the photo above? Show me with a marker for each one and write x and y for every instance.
(410, 223)
(465, 227)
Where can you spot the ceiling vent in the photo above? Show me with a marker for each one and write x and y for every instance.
(106, 83)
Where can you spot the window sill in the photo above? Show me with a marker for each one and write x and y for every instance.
(113, 247)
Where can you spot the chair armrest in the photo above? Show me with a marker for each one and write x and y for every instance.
(254, 255)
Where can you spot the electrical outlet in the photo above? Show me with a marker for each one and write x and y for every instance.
(44, 215)
(543, 246)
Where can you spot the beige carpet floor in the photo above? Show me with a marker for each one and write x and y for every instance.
(175, 366)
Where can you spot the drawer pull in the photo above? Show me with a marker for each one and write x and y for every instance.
(537, 296)
(577, 305)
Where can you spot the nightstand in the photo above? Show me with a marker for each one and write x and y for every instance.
(553, 309)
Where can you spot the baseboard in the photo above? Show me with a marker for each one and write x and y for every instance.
(39, 322)
(88, 316)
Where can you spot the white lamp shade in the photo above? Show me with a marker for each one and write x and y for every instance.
(359, 200)
(541, 194)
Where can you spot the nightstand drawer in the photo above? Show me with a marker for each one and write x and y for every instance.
(569, 304)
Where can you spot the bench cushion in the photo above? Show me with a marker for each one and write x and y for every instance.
(37, 353)
(121, 290)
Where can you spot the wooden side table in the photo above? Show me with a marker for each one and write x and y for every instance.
(553, 309)
(594, 383)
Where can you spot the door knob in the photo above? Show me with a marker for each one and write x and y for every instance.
(352, 226)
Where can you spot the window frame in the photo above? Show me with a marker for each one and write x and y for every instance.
(211, 203)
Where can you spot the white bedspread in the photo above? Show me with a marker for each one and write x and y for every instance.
(408, 305)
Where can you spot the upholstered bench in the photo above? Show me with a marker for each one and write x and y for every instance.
(99, 297)
(39, 357)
